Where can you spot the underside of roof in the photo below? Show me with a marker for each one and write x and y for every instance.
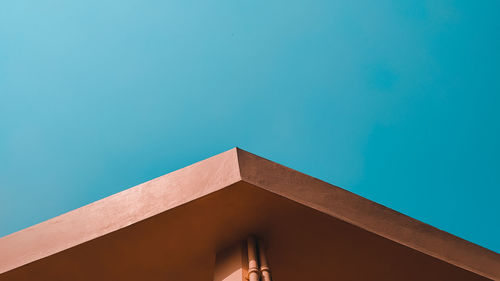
(171, 227)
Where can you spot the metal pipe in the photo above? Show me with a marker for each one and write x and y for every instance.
(264, 267)
(253, 267)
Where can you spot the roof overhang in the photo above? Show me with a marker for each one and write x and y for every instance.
(173, 225)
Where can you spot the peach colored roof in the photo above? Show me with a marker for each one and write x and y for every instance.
(219, 172)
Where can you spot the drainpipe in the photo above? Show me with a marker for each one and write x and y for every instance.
(264, 268)
(253, 269)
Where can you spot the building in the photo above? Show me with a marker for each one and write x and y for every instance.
(236, 216)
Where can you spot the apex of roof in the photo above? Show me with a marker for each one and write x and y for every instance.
(222, 171)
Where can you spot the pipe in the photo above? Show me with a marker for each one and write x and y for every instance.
(253, 269)
(264, 267)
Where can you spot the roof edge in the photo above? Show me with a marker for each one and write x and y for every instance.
(119, 210)
(207, 176)
(368, 215)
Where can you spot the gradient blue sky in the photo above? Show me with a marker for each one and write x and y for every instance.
(396, 101)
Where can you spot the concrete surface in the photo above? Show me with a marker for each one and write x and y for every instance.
(171, 227)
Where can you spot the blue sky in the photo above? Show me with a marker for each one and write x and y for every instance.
(396, 101)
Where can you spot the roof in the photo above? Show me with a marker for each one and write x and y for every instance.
(168, 224)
